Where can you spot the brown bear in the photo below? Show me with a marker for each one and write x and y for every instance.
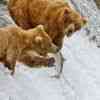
(58, 18)
(14, 41)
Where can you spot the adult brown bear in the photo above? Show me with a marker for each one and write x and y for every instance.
(55, 15)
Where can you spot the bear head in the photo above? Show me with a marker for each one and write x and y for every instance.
(41, 42)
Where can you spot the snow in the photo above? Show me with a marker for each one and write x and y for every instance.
(80, 79)
(82, 68)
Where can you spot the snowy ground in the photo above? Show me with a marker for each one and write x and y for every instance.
(80, 79)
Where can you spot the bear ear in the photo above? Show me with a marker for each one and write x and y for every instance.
(40, 28)
(38, 39)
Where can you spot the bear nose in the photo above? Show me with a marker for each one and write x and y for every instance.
(85, 20)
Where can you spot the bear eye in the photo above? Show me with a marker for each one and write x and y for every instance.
(77, 26)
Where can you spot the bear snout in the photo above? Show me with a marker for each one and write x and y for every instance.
(85, 20)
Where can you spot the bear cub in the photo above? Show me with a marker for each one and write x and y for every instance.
(15, 40)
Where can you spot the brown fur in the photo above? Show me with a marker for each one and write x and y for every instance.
(14, 41)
